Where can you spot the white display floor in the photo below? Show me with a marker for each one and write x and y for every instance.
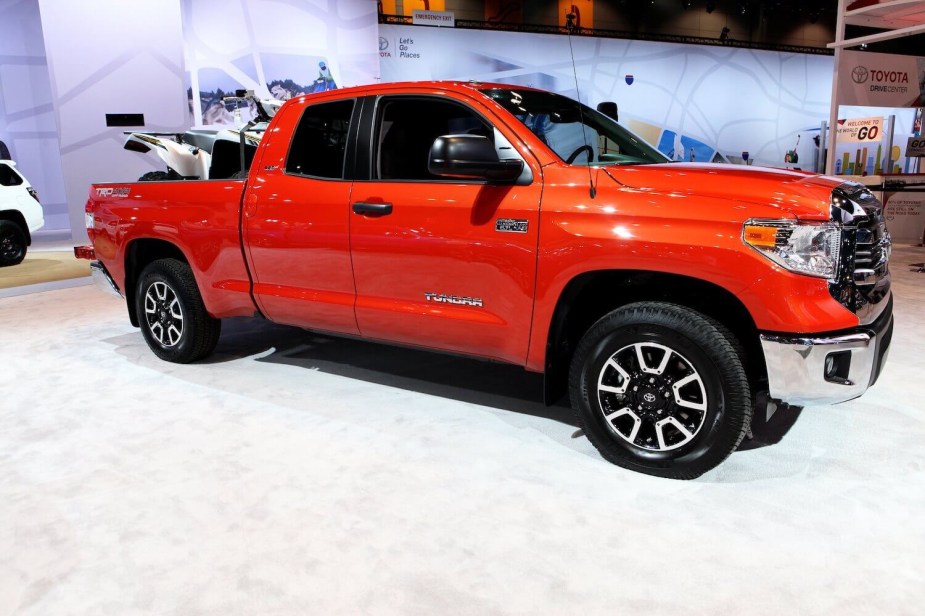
(300, 474)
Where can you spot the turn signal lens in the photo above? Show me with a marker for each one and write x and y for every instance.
(759, 236)
(803, 248)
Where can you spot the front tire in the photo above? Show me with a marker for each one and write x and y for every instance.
(661, 389)
(12, 243)
(172, 315)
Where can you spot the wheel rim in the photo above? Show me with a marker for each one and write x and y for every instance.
(10, 249)
(163, 314)
(652, 397)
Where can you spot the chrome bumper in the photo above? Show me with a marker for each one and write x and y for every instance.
(805, 370)
(102, 279)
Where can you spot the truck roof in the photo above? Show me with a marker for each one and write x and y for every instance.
(458, 86)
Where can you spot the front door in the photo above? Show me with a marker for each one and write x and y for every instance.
(438, 262)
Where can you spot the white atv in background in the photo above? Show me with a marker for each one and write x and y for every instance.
(202, 154)
(21, 214)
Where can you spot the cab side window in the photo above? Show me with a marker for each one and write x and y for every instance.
(407, 128)
(320, 142)
(8, 177)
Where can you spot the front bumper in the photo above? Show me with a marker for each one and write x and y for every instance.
(826, 369)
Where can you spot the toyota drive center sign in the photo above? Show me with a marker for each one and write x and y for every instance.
(881, 80)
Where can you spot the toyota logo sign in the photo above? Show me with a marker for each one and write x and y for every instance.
(859, 74)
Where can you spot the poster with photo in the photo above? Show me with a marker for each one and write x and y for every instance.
(306, 47)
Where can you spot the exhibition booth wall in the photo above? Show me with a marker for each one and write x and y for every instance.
(173, 60)
(28, 128)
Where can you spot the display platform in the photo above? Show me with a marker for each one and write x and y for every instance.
(298, 473)
(44, 266)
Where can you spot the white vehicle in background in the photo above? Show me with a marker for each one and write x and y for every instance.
(21, 214)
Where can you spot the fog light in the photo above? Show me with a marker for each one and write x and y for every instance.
(837, 367)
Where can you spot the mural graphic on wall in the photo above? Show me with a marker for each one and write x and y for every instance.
(306, 47)
(285, 75)
(691, 101)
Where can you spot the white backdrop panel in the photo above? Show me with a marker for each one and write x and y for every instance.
(730, 100)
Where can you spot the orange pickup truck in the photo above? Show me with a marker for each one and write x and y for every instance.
(671, 301)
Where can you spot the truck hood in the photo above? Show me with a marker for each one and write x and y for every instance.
(802, 195)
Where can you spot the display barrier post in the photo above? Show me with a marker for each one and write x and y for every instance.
(833, 112)
(890, 126)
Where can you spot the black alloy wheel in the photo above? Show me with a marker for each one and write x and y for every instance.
(661, 389)
(172, 315)
(12, 243)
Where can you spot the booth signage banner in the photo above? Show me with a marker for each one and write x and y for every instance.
(905, 215)
(915, 146)
(434, 18)
(860, 130)
(881, 80)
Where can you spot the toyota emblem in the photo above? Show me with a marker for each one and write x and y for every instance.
(859, 74)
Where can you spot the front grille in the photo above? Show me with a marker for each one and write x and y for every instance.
(872, 248)
(864, 277)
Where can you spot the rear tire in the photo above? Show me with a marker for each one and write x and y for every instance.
(172, 315)
(12, 243)
(661, 389)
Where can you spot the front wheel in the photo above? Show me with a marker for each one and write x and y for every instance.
(172, 315)
(661, 389)
(12, 243)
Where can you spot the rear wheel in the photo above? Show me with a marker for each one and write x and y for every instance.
(12, 243)
(661, 389)
(172, 315)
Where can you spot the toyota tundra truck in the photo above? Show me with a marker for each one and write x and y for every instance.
(670, 301)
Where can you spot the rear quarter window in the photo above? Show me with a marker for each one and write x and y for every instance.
(8, 177)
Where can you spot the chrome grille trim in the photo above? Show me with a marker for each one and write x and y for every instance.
(863, 283)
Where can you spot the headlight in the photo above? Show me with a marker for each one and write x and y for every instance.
(804, 248)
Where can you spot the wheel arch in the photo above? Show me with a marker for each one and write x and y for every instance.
(138, 255)
(16, 216)
(591, 295)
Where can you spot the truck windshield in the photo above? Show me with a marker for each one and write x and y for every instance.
(585, 138)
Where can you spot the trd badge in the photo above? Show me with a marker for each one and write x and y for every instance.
(511, 225)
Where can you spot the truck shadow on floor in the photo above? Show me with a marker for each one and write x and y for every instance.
(495, 385)
(490, 384)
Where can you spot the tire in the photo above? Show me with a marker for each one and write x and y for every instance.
(12, 243)
(172, 315)
(661, 389)
(154, 176)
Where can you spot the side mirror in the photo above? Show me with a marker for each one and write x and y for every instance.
(609, 109)
(470, 156)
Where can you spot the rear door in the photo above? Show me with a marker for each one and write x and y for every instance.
(442, 263)
(296, 219)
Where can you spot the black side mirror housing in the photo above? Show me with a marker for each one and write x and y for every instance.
(609, 109)
(470, 156)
